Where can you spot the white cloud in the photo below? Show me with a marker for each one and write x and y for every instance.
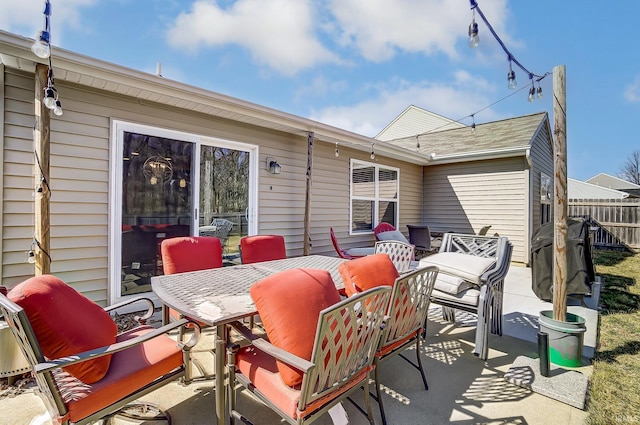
(27, 17)
(632, 91)
(278, 33)
(453, 99)
(379, 28)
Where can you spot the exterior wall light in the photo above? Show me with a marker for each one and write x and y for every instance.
(273, 166)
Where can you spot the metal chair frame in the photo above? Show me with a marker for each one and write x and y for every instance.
(489, 307)
(50, 377)
(400, 253)
(352, 328)
(406, 316)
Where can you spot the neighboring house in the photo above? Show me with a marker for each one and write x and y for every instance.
(137, 158)
(611, 182)
(577, 189)
(501, 175)
(414, 120)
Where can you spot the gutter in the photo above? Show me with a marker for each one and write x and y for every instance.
(511, 152)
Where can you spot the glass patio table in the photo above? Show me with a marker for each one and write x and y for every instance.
(219, 296)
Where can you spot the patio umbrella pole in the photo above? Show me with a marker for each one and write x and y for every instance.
(307, 201)
(560, 194)
(41, 146)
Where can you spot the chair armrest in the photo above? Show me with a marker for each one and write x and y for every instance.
(265, 346)
(140, 319)
(119, 346)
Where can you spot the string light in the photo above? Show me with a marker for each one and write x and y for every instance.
(373, 154)
(417, 142)
(474, 39)
(51, 100)
(532, 93)
(511, 76)
(42, 46)
(337, 153)
(473, 123)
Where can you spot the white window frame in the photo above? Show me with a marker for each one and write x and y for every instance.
(376, 197)
(118, 128)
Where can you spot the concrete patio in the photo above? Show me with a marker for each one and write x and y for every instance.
(462, 389)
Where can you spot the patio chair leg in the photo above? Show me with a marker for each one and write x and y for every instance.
(424, 377)
(378, 396)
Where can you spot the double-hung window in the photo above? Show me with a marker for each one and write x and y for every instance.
(374, 195)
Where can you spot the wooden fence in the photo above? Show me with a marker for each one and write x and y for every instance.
(616, 223)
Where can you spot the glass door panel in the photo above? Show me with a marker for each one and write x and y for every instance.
(224, 197)
(156, 204)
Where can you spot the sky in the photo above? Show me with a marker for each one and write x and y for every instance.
(358, 64)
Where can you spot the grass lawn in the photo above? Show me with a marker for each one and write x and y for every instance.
(614, 395)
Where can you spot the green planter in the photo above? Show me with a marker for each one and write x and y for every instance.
(566, 339)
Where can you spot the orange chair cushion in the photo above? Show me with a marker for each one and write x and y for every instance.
(262, 371)
(367, 272)
(189, 254)
(289, 304)
(66, 322)
(255, 249)
(130, 369)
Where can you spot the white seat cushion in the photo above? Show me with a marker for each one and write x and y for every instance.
(392, 235)
(451, 284)
(468, 267)
(468, 297)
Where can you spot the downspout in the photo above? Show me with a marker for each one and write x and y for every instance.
(529, 207)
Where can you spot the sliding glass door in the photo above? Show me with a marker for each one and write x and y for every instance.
(168, 184)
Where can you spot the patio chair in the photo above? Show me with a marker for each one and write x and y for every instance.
(219, 228)
(483, 231)
(420, 238)
(188, 254)
(400, 253)
(383, 227)
(349, 253)
(83, 368)
(406, 312)
(472, 271)
(316, 356)
(255, 249)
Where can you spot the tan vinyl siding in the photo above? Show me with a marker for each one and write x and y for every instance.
(79, 179)
(467, 196)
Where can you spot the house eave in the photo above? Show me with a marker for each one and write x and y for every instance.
(79, 69)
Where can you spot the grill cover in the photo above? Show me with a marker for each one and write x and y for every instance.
(580, 269)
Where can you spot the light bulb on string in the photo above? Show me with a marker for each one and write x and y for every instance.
(337, 152)
(511, 78)
(57, 109)
(474, 39)
(41, 47)
(473, 124)
(539, 91)
(373, 154)
(418, 143)
(532, 94)
(49, 97)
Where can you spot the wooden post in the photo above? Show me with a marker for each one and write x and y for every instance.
(560, 194)
(41, 148)
(307, 201)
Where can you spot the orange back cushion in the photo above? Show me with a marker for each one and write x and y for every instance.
(255, 249)
(367, 272)
(289, 304)
(190, 253)
(66, 322)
